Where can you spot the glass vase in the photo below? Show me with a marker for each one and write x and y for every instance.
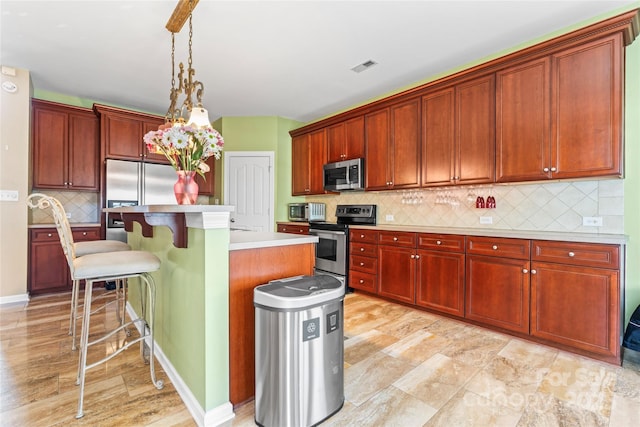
(186, 188)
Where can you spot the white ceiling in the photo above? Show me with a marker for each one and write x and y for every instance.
(267, 58)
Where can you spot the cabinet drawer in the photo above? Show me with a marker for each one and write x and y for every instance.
(589, 254)
(364, 249)
(294, 229)
(364, 264)
(45, 235)
(363, 281)
(365, 236)
(443, 242)
(500, 247)
(85, 234)
(393, 238)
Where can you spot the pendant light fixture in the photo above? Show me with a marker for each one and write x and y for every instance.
(185, 112)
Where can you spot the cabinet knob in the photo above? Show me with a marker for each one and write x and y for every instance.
(361, 281)
(84, 233)
(361, 264)
(571, 254)
(494, 247)
(49, 235)
(412, 256)
(553, 169)
(70, 184)
(362, 236)
(525, 271)
(361, 249)
(438, 242)
(417, 256)
(395, 239)
(545, 170)
(533, 272)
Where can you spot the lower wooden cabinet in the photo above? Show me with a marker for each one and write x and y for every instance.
(363, 260)
(574, 300)
(48, 269)
(397, 273)
(441, 272)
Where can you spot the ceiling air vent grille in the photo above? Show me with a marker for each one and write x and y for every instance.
(364, 66)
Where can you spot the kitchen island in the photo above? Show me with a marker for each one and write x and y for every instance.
(203, 264)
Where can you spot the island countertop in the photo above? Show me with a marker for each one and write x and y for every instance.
(261, 239)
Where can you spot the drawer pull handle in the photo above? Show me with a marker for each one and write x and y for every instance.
(84, 233)
(525, 271)
(571, 254)
(533, 272)
(395, 239)
(495, 247)
(362, 236)
(49, 235)
(438, 242)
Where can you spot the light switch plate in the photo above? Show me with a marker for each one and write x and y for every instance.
(592, 221)
(388, 217)
(8, 196)
(486, 220)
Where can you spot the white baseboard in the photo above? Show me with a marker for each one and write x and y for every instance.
(14, 299)
(218, 416)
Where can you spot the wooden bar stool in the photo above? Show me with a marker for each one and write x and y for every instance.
(81, 249)
(108, 266)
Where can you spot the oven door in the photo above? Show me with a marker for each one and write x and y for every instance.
(331, 251)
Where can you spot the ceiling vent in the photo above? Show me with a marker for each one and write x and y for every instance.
(364, 66)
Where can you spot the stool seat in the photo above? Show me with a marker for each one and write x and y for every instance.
(114, 264)
(99, 246)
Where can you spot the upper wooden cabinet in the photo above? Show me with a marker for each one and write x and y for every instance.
(561, 116)
(458, 134)
(586, 106)
(392, 147)
(65, 147)
(309, 154)
(122, 133)
(345, 140)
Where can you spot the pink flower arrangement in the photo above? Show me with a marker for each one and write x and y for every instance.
(186, 147)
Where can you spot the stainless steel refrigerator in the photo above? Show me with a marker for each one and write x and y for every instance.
(136, 183)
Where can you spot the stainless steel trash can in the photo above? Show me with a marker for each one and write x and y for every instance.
(299, 351)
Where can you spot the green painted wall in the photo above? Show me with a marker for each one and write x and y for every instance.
(632, 177)
(192, 310)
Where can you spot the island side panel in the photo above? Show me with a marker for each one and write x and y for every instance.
(249, 268)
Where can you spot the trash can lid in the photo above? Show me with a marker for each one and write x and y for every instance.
(298, 292)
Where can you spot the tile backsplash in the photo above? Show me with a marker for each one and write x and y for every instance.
(554, 206)
(81, 206)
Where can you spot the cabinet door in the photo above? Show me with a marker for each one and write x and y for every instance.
(497, 292)
(354, 138)
(440, 281)
(50, 136)
(147, 126)
(207, 186)
(438, 138)
(48, 269)
(378, 152)
(523, 146)
(84, 152)
(300, 164)
(396, 273)
(405, 144)
(318, 157)
(123, 137)
(336, 147)
(587, 110)
(576, 306)
(475, 131)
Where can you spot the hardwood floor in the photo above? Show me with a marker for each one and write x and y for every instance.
(38, 371)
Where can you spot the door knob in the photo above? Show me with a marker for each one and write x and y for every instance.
(232, 220)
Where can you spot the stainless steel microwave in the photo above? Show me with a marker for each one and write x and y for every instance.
(347, 175)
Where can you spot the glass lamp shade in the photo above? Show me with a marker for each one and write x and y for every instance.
(199, 117)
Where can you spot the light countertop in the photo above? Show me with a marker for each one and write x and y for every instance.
(74, 224)
(171, 209)
(258, 239)
(615, 239)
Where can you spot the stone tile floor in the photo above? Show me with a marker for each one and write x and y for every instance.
(405, 367)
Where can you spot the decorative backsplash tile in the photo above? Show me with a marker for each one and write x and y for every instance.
(81, 206)
(554, 206)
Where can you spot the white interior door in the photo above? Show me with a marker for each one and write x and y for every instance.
(249, 186)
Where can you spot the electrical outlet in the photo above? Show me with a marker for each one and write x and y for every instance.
(8, 196)
(389, 217)
(592, 221)
(486, 220)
